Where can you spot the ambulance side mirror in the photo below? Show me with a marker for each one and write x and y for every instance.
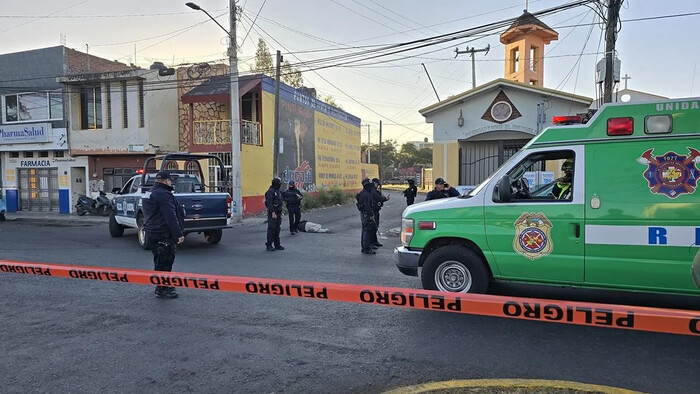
(504, 192)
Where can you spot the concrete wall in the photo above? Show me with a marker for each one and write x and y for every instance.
(159, 132)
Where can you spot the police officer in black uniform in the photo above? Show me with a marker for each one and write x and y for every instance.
(411, 192)
(380, 200)
(163, 222)
(366, 202)
(273, 202)
(292, 196)
(441, 190)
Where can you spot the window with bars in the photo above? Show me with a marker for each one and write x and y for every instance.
(44, 153)
(108, 99)
(125, 109)
(142, 115)
(28, 154)
(58, 153)
(14, 155)
(91, 108)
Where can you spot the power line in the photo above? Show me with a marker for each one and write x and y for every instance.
(99, 16)
(253, 23)
(44, 16)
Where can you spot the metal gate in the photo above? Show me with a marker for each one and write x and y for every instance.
(216, 179)
(479, 159)
(38, 189)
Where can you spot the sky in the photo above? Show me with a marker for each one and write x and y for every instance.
(660, 55)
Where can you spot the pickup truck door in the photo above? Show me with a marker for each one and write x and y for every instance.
(539, 238)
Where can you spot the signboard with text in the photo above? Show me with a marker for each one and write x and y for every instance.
(25, 133)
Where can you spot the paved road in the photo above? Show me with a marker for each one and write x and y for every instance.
(61, 335)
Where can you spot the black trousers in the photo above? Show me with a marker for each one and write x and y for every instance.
(273, 229)
(294, 218)
(410, 200)
(374, 239)
(369, 230)
(163, 250)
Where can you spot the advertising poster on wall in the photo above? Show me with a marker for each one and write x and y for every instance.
(297, 160)
(320, 144)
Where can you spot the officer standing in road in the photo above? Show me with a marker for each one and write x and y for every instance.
(273, 202)
(380, 200)
(292, 196)
(163, 222)
(411, 192)
(366, 205)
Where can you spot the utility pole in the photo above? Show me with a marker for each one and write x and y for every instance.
(379, 167)
(276, 142)
(610, 37)
(472, 51)
(369, 144)
(237, 203)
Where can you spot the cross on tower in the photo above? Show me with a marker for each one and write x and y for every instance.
(626, 77)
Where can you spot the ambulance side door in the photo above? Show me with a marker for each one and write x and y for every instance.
(539, 237)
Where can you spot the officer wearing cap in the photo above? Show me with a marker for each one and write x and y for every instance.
(441, 190)
(273, 202)
(163, 223)
(292, 196)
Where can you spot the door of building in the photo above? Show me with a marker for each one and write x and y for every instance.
(38, 189)
(77, 184)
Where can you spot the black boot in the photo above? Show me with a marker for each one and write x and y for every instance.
(270, 248)
(168, 293)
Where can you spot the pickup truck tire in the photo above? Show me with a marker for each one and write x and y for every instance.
(213, 237)
(115, 229)
(455, 268)
(141, 233)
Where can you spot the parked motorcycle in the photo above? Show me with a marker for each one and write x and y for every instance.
(100, 206)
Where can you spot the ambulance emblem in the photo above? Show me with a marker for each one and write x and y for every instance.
(533, 235)
(671, 174)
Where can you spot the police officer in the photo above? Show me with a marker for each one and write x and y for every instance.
(292, 196)
(163, 222)
(273, 202)
(366, 205)
(562, 187)
(411, 192)
(440, 191)
(380, 200)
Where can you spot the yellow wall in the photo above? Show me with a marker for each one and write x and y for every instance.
(256, 161)
(337, 153)
(451, 172)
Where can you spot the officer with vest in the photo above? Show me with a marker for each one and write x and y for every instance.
(163, 223)
(380, 200)
(273, 202)
(562, 187)
(292, 196)
(411, 192)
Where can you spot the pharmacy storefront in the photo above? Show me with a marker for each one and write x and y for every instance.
(37, 173)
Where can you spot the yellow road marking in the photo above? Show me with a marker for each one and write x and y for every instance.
(509, 383)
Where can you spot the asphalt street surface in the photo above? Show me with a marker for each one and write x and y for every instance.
(64, 335)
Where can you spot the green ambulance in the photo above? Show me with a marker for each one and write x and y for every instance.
(611, 203)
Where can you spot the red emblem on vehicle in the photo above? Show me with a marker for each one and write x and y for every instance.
(671, 174)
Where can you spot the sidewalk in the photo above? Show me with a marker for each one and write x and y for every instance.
(53, 217)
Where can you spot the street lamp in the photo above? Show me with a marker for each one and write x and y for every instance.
(237, 203)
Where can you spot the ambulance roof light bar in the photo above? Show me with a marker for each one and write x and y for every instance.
(567, 120)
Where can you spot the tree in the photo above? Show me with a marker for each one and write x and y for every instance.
(425, 157)
(331, 101)
(389, 156)
(263, 59)
(290, 75)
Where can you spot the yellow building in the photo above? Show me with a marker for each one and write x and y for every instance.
(319, 144)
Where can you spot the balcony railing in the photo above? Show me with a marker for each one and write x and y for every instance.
(212, 132)
(217, 132)
(250, 133)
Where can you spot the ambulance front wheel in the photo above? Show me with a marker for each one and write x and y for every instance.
(456, 269)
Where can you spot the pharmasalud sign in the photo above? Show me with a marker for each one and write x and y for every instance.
(25, 133)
